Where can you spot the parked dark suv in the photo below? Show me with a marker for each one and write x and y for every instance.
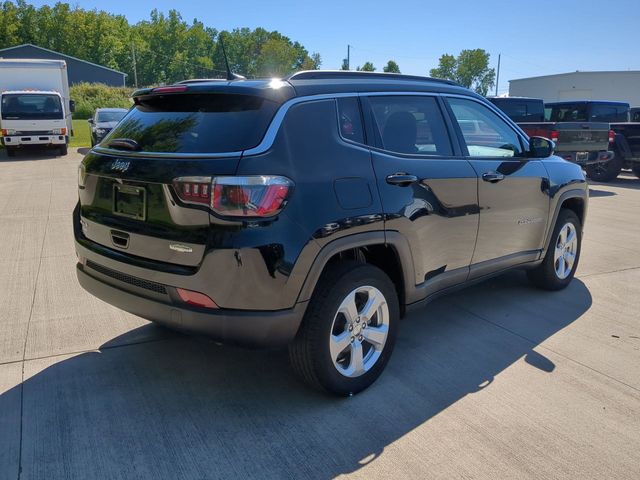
(316, 210)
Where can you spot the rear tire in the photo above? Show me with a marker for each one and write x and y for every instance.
(605, 172)
(635, 167)
(563, 253)
(63, 150)
(342, 347)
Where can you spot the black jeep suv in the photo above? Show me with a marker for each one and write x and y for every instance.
(314, 211)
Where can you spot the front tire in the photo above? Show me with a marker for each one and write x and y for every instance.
(607, 171)
(635, 167)
(63, 150)
(561, 260)
(11, 152)
(349, 330)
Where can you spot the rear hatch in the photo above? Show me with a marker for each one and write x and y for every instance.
(145, 190)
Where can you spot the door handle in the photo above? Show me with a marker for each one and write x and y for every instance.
(492, 177)
(401, 179)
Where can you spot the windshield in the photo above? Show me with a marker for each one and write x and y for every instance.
(31, 106)
(196, 123)
(110, 116)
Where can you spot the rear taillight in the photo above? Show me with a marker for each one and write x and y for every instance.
(195, 298)
(255, 196)
(250, 196)
(612, 136)
(193, 189)
(554, 136)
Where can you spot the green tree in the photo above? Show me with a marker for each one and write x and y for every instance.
(167, 48)
(260, 53)
(470, 69)
(311, 63)
(391, 67)
(367, 67)
(345, 65)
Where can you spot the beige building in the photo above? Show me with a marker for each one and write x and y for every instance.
(621, 86)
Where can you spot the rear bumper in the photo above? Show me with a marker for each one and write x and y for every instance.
(590, 158)
(243, 327)
(25, 140)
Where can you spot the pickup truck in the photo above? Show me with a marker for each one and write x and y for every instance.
(625, 141)
(578, 137)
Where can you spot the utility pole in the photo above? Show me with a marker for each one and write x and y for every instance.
(135, 69)
(348, 57)
(498, 75)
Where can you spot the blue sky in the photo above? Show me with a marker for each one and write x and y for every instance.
(535, 37)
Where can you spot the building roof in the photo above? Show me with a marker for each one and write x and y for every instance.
(580, 72)
(58, 53)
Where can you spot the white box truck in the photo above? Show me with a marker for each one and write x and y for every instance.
(35, 108)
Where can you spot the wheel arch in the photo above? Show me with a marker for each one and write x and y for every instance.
(575, 200)
(388, 251)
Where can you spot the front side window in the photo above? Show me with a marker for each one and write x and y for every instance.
(31, 106)
(410, 125)
(484, 132)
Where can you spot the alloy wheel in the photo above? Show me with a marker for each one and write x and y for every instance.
(565, 251)
(359, 331)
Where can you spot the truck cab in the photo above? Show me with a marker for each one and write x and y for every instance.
(33, 118)
(35, 104)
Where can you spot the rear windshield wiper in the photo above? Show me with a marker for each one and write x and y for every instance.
(124, 144)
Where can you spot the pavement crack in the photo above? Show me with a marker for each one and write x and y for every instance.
(608, 272)
(88, 350)
(26, 336)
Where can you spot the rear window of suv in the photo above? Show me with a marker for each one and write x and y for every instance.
(196, 123)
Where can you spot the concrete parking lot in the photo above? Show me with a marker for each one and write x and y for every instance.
(496, 381)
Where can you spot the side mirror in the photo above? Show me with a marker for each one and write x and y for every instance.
(540, 147)
(72, 106)
(90, 121)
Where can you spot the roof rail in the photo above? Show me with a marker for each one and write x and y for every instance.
(350, 75)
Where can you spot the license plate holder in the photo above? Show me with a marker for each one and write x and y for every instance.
(582, 156)
(130, 201)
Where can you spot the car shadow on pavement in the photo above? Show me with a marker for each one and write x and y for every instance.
(625, 180)
(28, 155)
(593, 193)
(184, 407)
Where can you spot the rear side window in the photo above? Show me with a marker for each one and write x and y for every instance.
(196, 123)
(350, 119)
(484, 132)
(411, 125)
